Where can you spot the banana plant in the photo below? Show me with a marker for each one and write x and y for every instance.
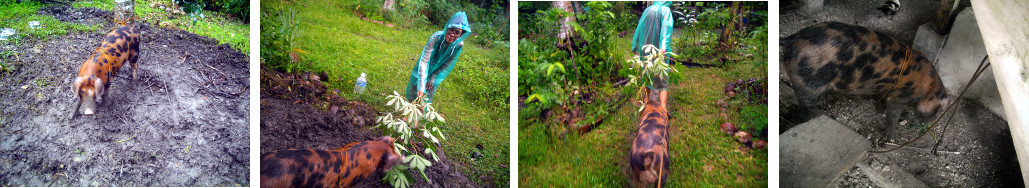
(402, 124)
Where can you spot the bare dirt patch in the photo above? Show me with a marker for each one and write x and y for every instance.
(184, 122)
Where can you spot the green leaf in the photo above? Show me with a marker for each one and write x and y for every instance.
(534, 96)
(425, 133)
(417, 162)
(439, 117)
(433, 153)
(396, 177)
(641, 107)
(439, 132)
(400, 147)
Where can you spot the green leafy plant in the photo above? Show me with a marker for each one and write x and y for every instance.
(240, 8)
(194, 8)
(403, 123)
(280, 47)
(753, 118)
(645, 69)
(544, 78)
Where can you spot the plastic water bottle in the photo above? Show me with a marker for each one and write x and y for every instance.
(361, 83)
(34, 25)
(6, 33)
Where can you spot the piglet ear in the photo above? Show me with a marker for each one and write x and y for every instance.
(99, 85)
(386, 139)
(76, 85)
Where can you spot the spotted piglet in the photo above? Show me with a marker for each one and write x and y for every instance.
(857, 61)
(94, 77)
(340, 167)
(649, 158)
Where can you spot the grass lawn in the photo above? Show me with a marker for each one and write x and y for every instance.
(219, 26)
(17, 16)
(335, 40)
(702, 156)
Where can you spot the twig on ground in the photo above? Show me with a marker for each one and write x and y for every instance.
(224, 76)
(127, 139)
(925, 150)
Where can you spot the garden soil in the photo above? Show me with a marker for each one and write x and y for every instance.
(297, 111)
(183, 122)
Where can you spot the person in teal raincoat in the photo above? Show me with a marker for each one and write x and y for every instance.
(438, 58)
(655, 28)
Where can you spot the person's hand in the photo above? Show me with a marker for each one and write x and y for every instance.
(420, 94)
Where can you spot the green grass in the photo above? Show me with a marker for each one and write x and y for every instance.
(338, 42)
(221, 27)
(18, 15)
(702, 156)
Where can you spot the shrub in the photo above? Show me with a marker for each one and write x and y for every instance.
(239, 8)
(279, 39)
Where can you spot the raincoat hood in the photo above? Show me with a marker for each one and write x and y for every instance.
(460, 21)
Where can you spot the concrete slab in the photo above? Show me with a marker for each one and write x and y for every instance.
(815, 153)
(957, 60)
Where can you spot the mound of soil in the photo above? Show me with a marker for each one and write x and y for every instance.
(297, 111)
(184, 122)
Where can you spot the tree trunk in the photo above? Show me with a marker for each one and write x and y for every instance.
(388, 5)
(565, 32)
(123, 10)
(725, 40)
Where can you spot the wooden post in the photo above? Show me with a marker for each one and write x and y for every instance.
(1004, 29)
(943, 21)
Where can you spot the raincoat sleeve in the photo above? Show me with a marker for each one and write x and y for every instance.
(666, 28)
(423, 62)
(448, 65)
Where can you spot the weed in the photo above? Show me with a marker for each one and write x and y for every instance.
(279, 44)
(753, 118)
(42, 82)
(193, 8)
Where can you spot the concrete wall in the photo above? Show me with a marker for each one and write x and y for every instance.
(958, 59)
